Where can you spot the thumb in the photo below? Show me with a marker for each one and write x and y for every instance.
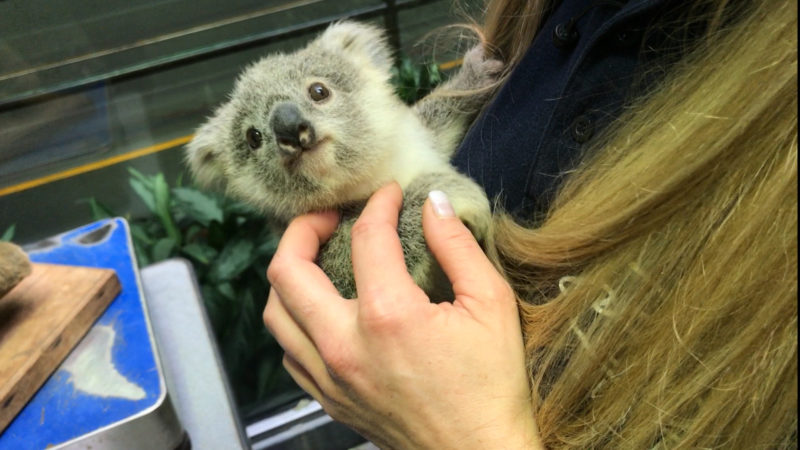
(476, 283)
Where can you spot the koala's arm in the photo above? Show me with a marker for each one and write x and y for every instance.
(468, 201)
(450, 109)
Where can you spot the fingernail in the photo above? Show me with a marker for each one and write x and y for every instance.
(441, 204)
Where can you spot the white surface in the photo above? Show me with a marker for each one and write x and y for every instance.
(192, 368)
(92, 371)
(303, 408)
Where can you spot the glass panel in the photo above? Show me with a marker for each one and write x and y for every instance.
(42, 134)
(48, 46)
(128, 77)
(424, 34)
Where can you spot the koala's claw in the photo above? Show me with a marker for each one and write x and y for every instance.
(476, 217)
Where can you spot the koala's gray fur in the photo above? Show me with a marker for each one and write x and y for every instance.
(320, 152)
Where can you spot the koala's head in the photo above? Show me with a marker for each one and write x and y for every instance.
(301, 131)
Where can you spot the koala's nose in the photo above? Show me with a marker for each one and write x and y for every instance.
(292, 132)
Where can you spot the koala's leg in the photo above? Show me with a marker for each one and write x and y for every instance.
(335, 255)
(471, 206)
(450, 109)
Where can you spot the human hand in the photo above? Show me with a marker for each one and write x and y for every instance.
(402, 371)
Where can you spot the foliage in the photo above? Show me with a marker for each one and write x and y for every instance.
(414, 81)
(229, 246)
(8, 235)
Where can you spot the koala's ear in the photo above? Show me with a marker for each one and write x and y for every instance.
(204, 152)
(358, 40)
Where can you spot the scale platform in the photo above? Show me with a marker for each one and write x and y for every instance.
(110, 392)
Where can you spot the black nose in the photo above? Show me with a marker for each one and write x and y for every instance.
(292, 132)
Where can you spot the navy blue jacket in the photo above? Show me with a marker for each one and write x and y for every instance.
(560, 96)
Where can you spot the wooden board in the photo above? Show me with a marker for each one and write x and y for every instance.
(41, 320)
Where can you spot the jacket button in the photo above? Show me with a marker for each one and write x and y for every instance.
(582, 129)
(565, 36)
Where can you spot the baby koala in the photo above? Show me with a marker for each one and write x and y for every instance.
(322, 128)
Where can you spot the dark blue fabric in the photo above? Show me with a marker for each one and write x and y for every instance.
(526, 139)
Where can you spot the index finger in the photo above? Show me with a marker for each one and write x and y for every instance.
(378, 262)
(306, 292)
(305, 234)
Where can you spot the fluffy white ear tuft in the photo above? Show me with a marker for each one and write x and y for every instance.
(358, 40)
(203, 152)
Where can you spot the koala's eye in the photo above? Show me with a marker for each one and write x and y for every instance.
(253, 138)
(318, 92)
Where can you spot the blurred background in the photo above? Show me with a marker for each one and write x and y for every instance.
(97, 99)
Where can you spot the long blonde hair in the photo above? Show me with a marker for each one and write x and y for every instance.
(509, 27)
(659, 296)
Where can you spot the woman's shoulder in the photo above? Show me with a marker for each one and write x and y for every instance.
(573, 81)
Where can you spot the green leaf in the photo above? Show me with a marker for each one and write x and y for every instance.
(144, 193)
(142, 178)
(268, 247)
(162, 198)
(142, 260)
(266, 368)
(140, 234)
(201, 252)
(99, 210)
(260, 273)
(232, 261)
(414, 81)
(217, 313)
(194, 232)
(235, 343)
(434, 75)
(217, 237)
(9, 233)
(163, 249)
(197, 205)
(249, 312)
(227, 291)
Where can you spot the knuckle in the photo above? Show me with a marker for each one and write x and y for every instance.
(500, 290)
(340, 363)
(503, 289)
(497, 292)
(503, 295)
(381, 323)
(272, 313)
(277, 270)
(381, 319)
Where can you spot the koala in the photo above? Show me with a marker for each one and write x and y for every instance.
(322, 128)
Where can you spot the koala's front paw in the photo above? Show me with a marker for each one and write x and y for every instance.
(475, 214)
(468, 199)
(478, 69)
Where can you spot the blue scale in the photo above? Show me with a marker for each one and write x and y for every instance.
(110, 391)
